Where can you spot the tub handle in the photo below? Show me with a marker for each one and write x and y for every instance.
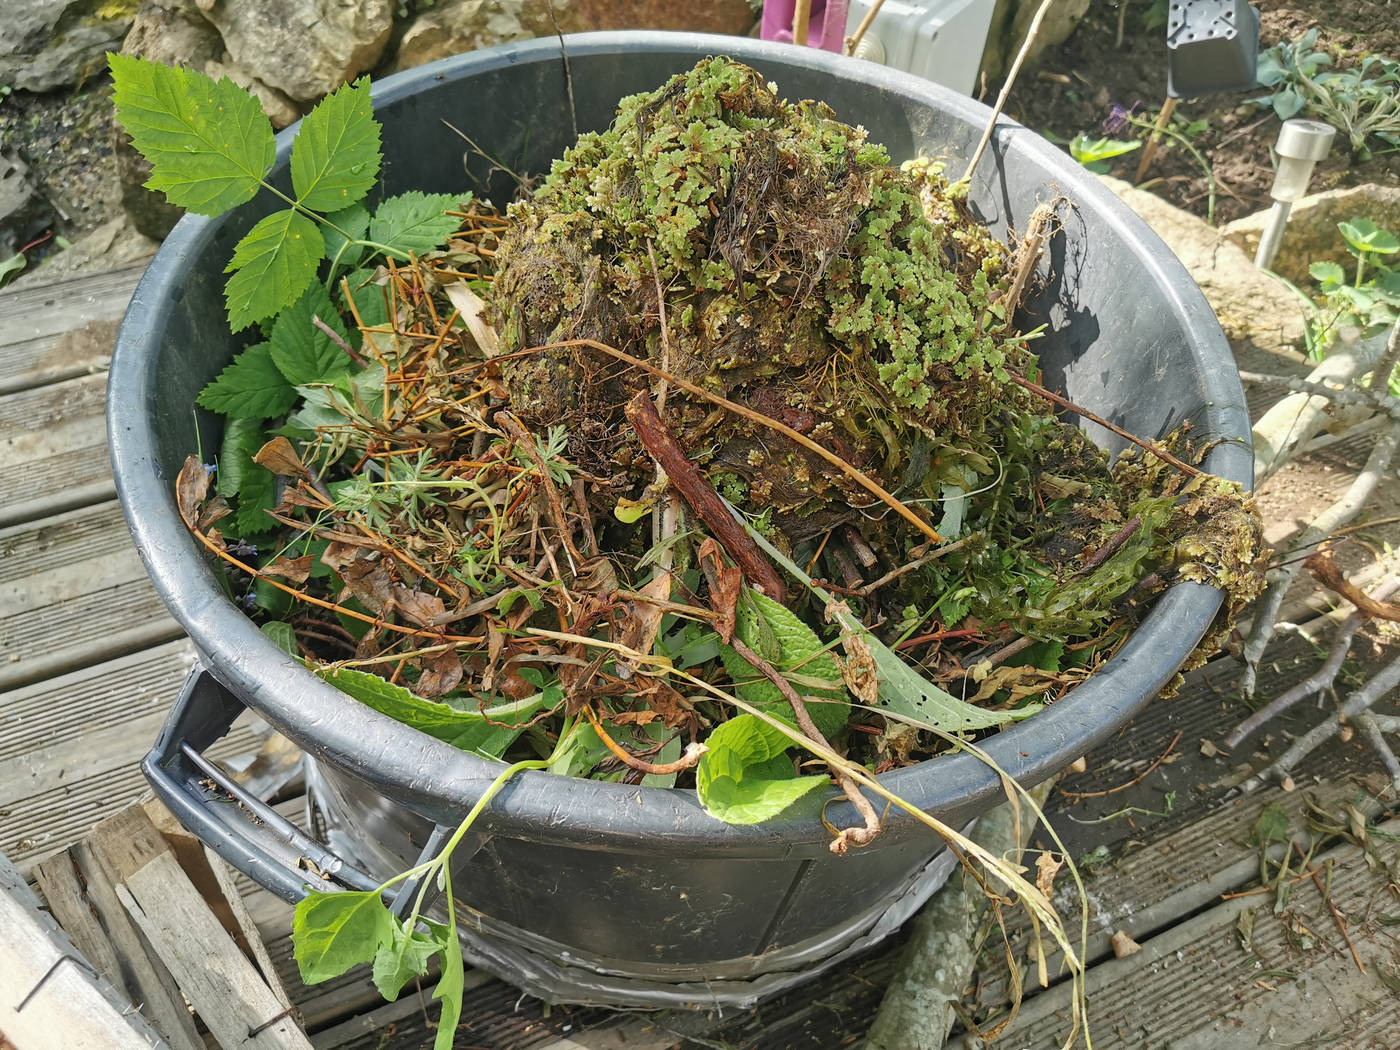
(238, 826)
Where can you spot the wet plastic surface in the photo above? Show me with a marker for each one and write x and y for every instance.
(636, 895)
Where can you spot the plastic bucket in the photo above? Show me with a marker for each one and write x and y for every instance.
(595, 892)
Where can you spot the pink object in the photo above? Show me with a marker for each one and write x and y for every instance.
(826, 28)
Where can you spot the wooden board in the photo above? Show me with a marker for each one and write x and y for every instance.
(53, 449)
(73, 592)
(35, 345)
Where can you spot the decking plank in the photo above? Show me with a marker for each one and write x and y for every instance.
(73, 592)
(36, 322)
(53, 449)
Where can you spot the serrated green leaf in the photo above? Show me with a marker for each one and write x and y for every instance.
(250, 387)
(414, 222)
(335, 157)
(468, 730)
(1329, 273)
(1365, 236)
(302, 352)
(405, 957)
(740, 779)
(208, 142)
(351, 222)
(251, 488)
(332, 932)
(450, 984)
(271, 266)
(793, 648)
(282, 635)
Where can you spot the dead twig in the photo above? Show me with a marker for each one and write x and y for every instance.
(853, 41)
(1148, 446)
(1077, 795)
(846, 837)
(693, 487)
(1329, 574)
(692, 754)
(1031, 34)
(1149, 150)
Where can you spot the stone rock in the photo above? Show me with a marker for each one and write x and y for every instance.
(451, 27)
(1012, 18)
(46, 44)
(280, 109)
(24, 213)
(149, 211)
(304, 48)
(1312, 234)
(113, 243)
(1261, 317)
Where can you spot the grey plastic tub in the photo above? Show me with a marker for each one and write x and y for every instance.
(594, 892)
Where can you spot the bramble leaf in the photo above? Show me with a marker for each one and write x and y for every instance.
(404, 958)
(354, 221)
(332, 932)
(414, 222)
(254, 488)
(301, 351)
(250, 387)
(450, 984)
(283, 636)
(274, 263)
(208, 142)
(335, 157)
(745, 777)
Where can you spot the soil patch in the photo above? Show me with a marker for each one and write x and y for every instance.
(1080, 85)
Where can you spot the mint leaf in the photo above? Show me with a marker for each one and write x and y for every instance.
(274, 263)
(208, 142)
(405, 957)
(301, 351)
(469, 730)
(250, 387)
(450, 984)
(253, 488)
(332, 932)
(792, 647)
(744, 777)
(414, 222)
(335, 157)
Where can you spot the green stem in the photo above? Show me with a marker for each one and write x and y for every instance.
(297, 206)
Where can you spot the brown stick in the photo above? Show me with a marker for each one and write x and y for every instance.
(526, 441)
(801, 16)
(1326, 572)
(1150, 149)
(1077, 795)
(846, 836)
(1160, 453)
(641, 765)
(701, 495)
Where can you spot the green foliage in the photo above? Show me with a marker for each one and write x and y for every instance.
(283, 636)
(331, 932)
(1367, 299)
(271, 267)
(303, 353)
(745, 776)
(250, 387)
(1361, 101)
(11, 267)
(407, 956)
(335, 160)
(208, 142)
(451, 983)
(793, 648)
(1095, 154)
(413, 221)
(254, 487)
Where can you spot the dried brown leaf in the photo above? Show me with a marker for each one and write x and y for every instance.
(279, 457)
(725, 582)
(293, 570)
(1047, 866)
(442, 673)
(423, 609)
(191, 486)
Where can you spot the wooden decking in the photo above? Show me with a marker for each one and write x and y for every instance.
(89, 663)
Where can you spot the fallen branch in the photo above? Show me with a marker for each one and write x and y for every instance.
(682, 472)
(1378, 400)
(1329, 574)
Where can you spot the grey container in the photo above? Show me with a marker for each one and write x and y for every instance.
(599, 893)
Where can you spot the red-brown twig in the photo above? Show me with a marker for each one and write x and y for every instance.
(657, 439)
(1077, 795)
(846, 837)
(1063, 402)
(641, 765)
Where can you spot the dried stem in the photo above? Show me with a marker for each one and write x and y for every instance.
(685, 476)
(526, 441)
(1149, 151)
(1065, 403)
(846, 837)
(853, 41)
(680, 765)
(1031, 34)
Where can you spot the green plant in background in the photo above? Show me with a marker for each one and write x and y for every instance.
(1095, 154)
(1368, 298)
(1360, 101)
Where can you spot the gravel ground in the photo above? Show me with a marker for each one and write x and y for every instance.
(66, 139)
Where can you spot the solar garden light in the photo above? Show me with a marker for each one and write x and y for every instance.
(1301, 144)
